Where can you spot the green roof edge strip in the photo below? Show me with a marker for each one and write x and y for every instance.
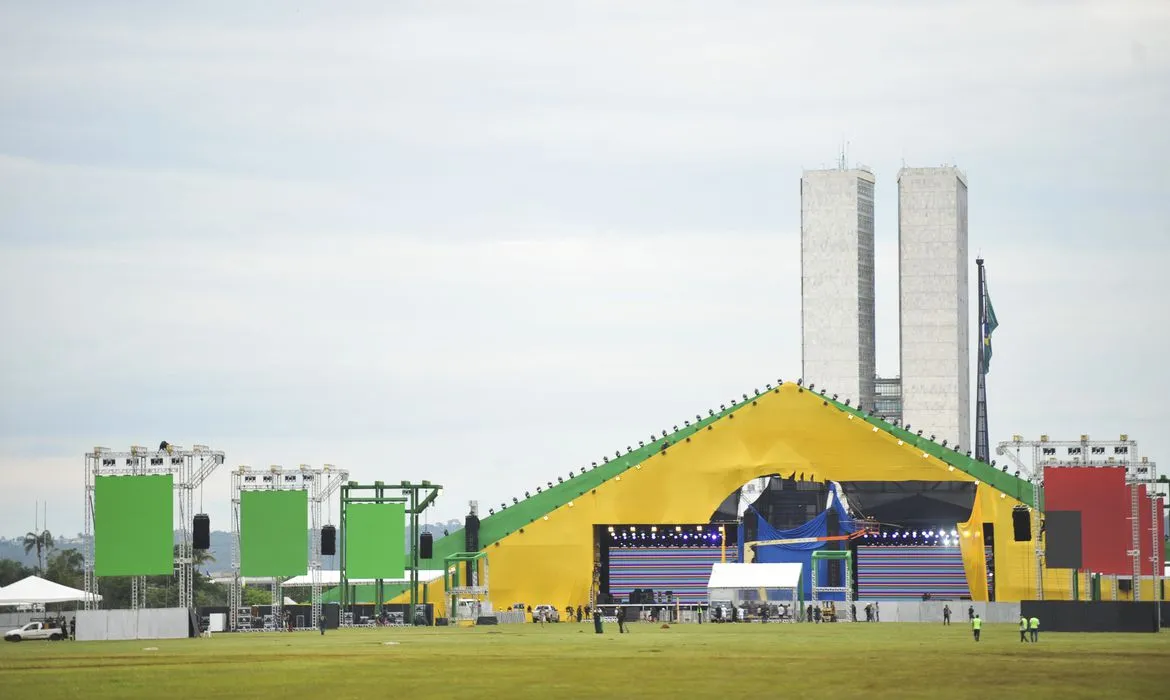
(496, 527)
(1014, 486)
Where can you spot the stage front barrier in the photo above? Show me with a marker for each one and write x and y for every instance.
(147, 623)
(1107, 616)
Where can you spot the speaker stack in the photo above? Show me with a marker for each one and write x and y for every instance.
(1022, 524)
(328, 540)
(201, 535)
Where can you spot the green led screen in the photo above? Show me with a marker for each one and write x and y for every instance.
(375, 540)
(133, 525)
(274, 533)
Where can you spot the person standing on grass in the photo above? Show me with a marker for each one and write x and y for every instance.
(976, 625)
(621, 619)
(946, 614)
(1034, 626)
(321, 624)
(1023, 628)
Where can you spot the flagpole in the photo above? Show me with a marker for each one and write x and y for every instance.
(982, 446)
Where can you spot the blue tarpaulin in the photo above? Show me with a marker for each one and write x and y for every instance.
(801, 553)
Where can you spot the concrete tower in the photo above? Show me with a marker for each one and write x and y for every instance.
(836, 282)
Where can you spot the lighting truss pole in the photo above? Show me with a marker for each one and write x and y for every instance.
(189, 469)
(418, 498)
(1084, 452)
(320, 485)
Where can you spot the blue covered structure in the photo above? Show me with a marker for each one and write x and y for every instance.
(801, 553)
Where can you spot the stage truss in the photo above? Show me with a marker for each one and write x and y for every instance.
(189, 468)
(1123, 452)
(321, 484)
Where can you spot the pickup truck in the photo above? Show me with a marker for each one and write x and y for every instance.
(35, 630)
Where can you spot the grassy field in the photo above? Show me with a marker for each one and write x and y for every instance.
(885, 660)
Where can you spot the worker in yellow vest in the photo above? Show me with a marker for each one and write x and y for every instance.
(1023, 628)
(976, 625)
(1034, 626)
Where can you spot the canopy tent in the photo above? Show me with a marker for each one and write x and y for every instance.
(740, 583)
(333, 578)
(35, 589)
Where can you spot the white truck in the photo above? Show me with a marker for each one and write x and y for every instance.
(35, 630)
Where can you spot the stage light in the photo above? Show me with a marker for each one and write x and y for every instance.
(722, 407)
(919, 433)
(768, 386)
(633, 529)
(611, 528)
(944, 442)
(674, 429)
(906, 427)
(993, 462)
(629, 449)
(710, 412)
(932, 438)
(756, 391)
(538, 489)
(515, 500)
(699, 528)
(1017, 473)
(800, 382)
(687, 423)
(834, 397)
(968, 453)
(641, 444)
(1005, 469)
(527, 495)
(846, 402)
(559, 481)
(653, 528)
(812, 387)
(678, 528)
(571, 471)
(491, 511)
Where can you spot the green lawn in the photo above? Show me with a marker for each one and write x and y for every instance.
(885, 660)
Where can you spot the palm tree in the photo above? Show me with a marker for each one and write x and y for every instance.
(42, 542)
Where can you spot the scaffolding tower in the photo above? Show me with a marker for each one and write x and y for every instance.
(1123, 452)
(321, 484)
(189, 469)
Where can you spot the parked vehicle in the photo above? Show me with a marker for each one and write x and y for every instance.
(550, 613)
(35, 630)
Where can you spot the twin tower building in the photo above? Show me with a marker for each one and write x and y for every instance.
(932, 389)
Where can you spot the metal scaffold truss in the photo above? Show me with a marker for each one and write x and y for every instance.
(321, 483)
(190, 468)
(1123, 452)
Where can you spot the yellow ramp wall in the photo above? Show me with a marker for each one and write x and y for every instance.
(550, 560)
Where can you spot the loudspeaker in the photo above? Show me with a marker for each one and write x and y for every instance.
(201, 538)
(426, 545)
(1022, 524)
(328, 540)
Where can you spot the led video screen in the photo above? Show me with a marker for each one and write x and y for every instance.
(274, 533)
(375, 540)
(134, 531)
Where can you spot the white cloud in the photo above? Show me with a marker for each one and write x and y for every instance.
(532, 230)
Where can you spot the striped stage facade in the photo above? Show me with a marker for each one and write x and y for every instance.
(909, 572)
(681, 570)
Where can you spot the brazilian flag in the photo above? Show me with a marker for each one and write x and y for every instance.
(989, 325)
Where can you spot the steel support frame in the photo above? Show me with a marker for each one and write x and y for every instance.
(1081, 453)
(843, 555)
(189, 469)
(410, 494)
(320, 485)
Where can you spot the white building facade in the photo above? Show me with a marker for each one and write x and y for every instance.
(933, 303)
(837, 282)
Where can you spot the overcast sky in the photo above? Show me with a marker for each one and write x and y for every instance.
(484, 243)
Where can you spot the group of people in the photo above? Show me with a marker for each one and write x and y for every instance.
(1029, 626)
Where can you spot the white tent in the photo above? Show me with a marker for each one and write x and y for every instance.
(35, 589)
(740, 583)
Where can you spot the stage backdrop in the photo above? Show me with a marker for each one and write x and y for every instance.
(274, 533)
(1102, 497)
(374, 536)
(134, 529)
